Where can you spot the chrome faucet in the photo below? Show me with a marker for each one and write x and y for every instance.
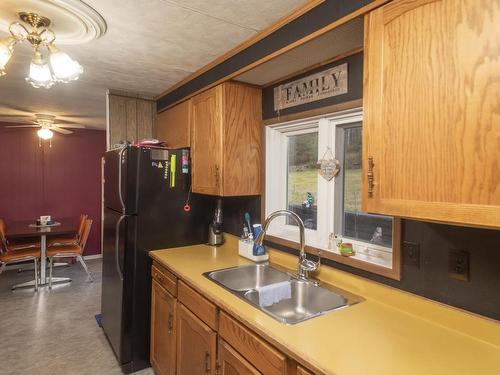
(305, 265)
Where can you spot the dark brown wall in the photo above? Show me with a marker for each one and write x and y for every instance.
(63, 180)
(234, 209)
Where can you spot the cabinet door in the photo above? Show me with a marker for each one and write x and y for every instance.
(431, 130)
(242, 142)
(232, 363)
(129, 118)
(162, 354)
(206, 142)
(196, 344)
(174, 125)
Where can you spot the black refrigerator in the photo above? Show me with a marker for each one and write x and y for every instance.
(146, 199)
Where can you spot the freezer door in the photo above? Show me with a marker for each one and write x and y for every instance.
(120, 180)
(117, 274)
(162, 220)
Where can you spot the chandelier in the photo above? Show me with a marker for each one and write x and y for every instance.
(59, 67)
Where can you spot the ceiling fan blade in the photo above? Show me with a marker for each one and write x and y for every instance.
(59, 130)
(74, 126)
(23, 126)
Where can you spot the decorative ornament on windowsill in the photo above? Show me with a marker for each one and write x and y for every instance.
(329, 167)
(42, 73)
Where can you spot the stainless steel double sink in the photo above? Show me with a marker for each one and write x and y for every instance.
(307, 301)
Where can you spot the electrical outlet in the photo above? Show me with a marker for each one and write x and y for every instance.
(411, 254)
(459, 261)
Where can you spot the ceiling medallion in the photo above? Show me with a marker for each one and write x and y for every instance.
(42, 73)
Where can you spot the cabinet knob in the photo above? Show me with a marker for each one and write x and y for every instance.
(369, 175)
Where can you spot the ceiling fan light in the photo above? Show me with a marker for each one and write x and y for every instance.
(6, 48)
(65, 69)
(40, 75)
(45, 133)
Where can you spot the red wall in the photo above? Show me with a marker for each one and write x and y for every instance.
(62, 181)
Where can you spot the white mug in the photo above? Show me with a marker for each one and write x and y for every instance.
(44, 220)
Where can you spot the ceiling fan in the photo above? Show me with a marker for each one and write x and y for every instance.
(48, 124)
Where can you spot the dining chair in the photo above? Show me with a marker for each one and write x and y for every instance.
(71, 251)
(9, 256)
(15, 245)
(72, 239)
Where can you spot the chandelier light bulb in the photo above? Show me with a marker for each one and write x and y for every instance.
(6, 48)
(65, 69)
(45, 133)
(40, 75)
(59, 68)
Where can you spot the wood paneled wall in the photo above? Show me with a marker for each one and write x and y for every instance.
(130, 117)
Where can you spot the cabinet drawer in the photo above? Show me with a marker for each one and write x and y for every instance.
(201, 307)
(256, 351)
(165, 278)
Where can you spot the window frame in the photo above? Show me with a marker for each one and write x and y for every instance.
(329, 127)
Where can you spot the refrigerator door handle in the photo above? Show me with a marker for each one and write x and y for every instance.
(121, 155)
(117, 246)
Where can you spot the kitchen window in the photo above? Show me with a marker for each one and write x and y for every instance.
(328, 208)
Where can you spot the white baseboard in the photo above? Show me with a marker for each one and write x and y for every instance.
(96, 256)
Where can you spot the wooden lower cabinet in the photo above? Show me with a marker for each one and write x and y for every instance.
(163, 311)
(196, 344)
(191, 336)
(230, 362)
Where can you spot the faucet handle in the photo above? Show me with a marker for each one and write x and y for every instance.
(309, 265)
(318, 263)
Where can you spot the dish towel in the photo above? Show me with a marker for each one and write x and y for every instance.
(274, 293)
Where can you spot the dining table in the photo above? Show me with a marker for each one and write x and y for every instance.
(29, 229)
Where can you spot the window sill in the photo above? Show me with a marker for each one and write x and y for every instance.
(367, 262)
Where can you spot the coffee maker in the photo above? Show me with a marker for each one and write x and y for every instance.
(215, 235)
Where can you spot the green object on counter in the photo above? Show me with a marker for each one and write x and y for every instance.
(345, 248)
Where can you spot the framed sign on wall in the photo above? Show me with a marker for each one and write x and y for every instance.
(317, 86)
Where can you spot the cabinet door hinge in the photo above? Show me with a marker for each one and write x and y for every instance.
(217, 368)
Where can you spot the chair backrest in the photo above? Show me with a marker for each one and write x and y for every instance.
(85, 234)
(3, 238)
(81, 224)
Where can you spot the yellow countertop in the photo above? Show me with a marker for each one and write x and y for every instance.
(391, 332)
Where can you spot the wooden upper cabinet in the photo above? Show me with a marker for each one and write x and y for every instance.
(226, 140)
(196, 344)
(231, 362)
(206, 142)
(431, 131)
(173, 125)
(302, 371)
(163, 343)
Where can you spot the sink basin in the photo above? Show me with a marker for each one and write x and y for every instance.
(307, 301)
(251, 276)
